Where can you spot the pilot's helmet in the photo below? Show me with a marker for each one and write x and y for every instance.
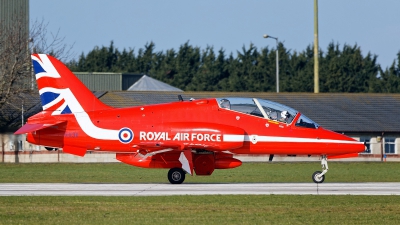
(224, 103)
(284, 114)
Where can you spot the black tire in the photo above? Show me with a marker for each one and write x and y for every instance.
(316, 179)
(49, 148)
(176, 176)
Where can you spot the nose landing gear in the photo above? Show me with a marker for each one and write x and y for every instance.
(318, 176)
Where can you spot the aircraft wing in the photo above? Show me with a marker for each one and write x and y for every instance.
(171, 145)
(156, 146)
(342, 156)
(30, 127)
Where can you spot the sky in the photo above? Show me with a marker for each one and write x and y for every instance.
(374, 25)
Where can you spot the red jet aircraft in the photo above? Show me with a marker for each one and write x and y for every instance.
(183, 136)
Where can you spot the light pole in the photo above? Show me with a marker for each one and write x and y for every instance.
(277, 61)
(316, 63)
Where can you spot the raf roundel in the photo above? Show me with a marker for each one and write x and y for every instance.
(125, 135)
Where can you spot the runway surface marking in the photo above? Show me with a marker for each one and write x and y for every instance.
(81, 189)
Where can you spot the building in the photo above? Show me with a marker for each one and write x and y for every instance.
(100, 81)
(365, 117)
(13, 13)
(146, 83)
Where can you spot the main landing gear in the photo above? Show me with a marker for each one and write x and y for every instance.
(318, 176)
(176, 176)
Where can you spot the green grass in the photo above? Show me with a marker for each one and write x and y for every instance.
(248, 172)
(214, 209)
(258, 209)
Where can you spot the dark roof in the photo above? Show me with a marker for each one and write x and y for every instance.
(335, 111)
(10, 113)
(341, 112)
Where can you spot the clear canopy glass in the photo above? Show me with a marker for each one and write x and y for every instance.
(265, 109)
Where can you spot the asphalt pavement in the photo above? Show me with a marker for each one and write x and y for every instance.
(83, 189)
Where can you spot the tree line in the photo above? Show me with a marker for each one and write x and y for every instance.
(341, 68)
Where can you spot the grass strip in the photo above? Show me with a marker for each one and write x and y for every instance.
(247, 173)
(231, 209)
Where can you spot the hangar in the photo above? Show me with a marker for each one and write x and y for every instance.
(96, 81)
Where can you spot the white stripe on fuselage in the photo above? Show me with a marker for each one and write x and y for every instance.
(239, 138)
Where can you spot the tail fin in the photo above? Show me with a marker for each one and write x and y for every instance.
(60, 90)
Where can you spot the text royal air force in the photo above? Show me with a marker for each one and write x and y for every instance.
(164, 136)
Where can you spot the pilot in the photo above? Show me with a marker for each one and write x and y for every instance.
(284, 116)
(225, 104)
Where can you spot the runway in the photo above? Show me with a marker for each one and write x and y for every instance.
(80, 189)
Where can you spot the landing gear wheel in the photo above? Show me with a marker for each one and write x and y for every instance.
(176, 176)
(317, 178)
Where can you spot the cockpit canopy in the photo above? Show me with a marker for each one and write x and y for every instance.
(266, 109)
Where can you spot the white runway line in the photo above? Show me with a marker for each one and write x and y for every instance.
(79, 189)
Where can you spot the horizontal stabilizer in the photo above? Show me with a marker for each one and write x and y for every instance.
(27, 128)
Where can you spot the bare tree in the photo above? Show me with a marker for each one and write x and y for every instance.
(16, 75)
(55, 46)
